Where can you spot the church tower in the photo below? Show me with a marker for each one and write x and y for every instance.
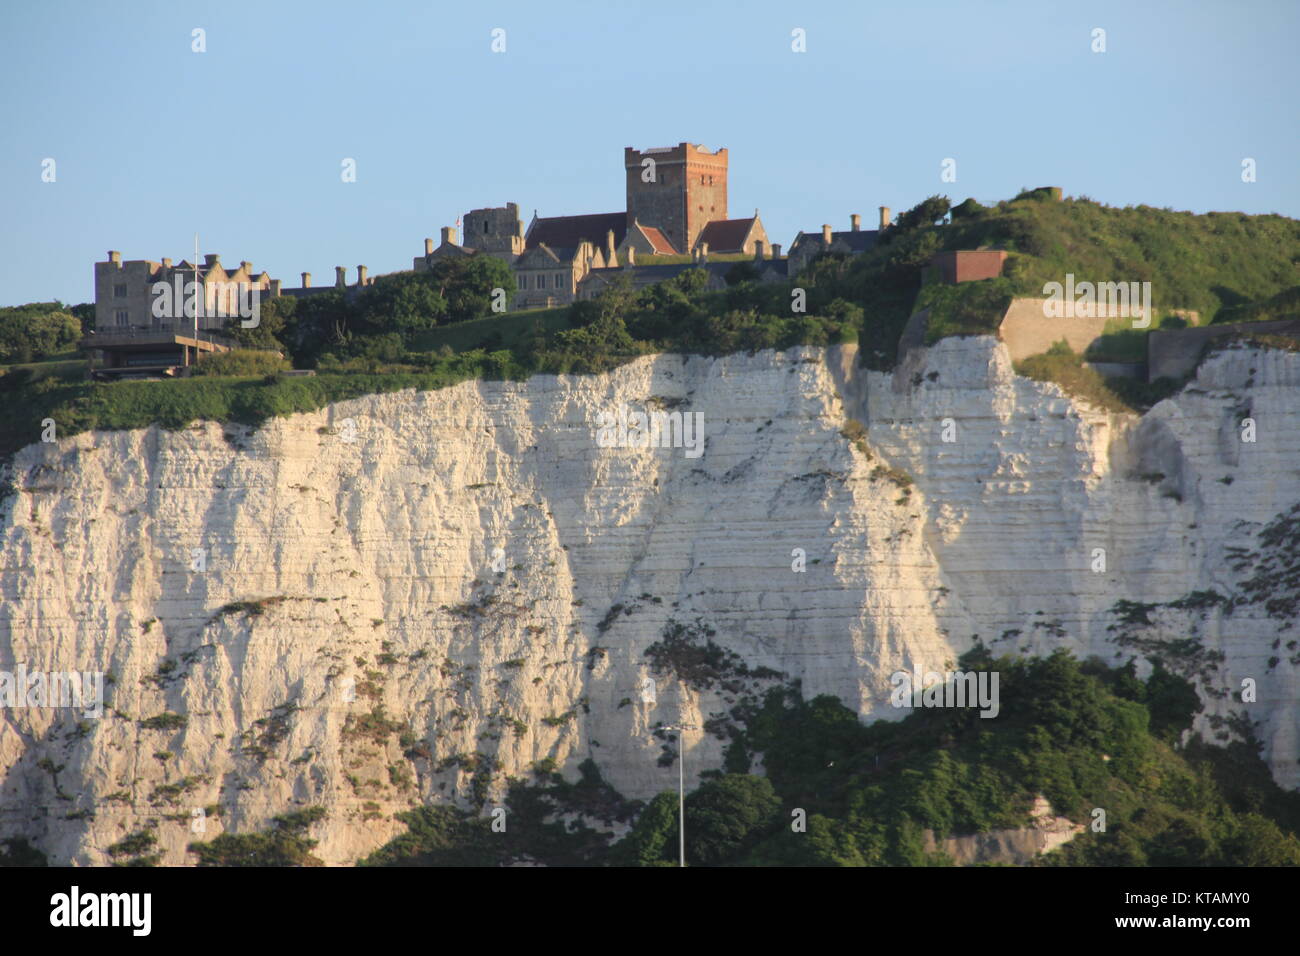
(677, 189)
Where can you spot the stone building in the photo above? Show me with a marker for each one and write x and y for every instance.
(677, 190)
(807, 246)
(147, 321)
(724, 236)
(676, 206)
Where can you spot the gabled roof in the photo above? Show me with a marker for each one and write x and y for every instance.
(658, 241)
(566, 232)
(859, 241)
(726, 235)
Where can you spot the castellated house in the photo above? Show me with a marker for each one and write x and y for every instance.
(147, 321)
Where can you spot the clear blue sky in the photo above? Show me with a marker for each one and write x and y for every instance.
(243, 143)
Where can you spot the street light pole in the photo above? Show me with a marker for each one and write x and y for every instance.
(681, 789)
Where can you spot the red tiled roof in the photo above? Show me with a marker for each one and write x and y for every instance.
(726, 235)
(658, 242)
(565, 232)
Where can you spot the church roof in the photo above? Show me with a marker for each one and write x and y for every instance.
(726, 235)
(566, 232)
(657, 240)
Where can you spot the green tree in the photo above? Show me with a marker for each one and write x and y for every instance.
(36, 330)
(652, 840)
(467, 285)
(285, 844)
(404, 302)
(728, 815)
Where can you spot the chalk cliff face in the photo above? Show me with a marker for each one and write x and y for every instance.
(409, 597)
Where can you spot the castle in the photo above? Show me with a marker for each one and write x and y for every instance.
(675, 219)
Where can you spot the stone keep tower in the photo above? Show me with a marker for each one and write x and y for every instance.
(497, 231)
(687, 191)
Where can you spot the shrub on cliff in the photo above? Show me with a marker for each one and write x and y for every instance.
(285, 844)
(240, 362)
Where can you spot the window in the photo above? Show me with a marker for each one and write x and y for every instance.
(523, 283)
(121, 316)
(559, 280)
(119, 291)
(485, 227)
(541, 281)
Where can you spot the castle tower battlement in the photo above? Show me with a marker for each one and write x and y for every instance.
(676, 189)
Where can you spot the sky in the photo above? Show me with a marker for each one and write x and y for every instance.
(245, 142)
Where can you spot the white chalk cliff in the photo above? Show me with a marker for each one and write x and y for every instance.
(367, 555)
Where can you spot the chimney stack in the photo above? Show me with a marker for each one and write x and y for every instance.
(631, 257)
(275, 288)
(704, 252)
(428, 247)
(448, 236)
(361, 275)
(115, 257)
(776, 250)
(856, 220)
(210, 260)
(166, 263)
(306, 280)
(609, 245)
(247, 267)
(340, 277)
(758, 251)
(826, 233)
(884, 217)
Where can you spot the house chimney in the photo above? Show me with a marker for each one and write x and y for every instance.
(166, 263)
(609, 244)
(631, 257)
(428, 247)
(758, 250)
(776, 250)
(448, 236)
(211, 260)
(884, 217)
(704, 252)
(856, 221)
(306, 280)
(340, 277)
(826, 233)
(275, 288)
(361, 275)
(246, 266)
(115, 257)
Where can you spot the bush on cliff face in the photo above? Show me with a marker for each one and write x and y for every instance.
(285, 844)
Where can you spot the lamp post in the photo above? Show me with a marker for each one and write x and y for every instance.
(681, 788)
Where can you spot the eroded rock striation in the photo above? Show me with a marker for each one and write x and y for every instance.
(409, 597)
